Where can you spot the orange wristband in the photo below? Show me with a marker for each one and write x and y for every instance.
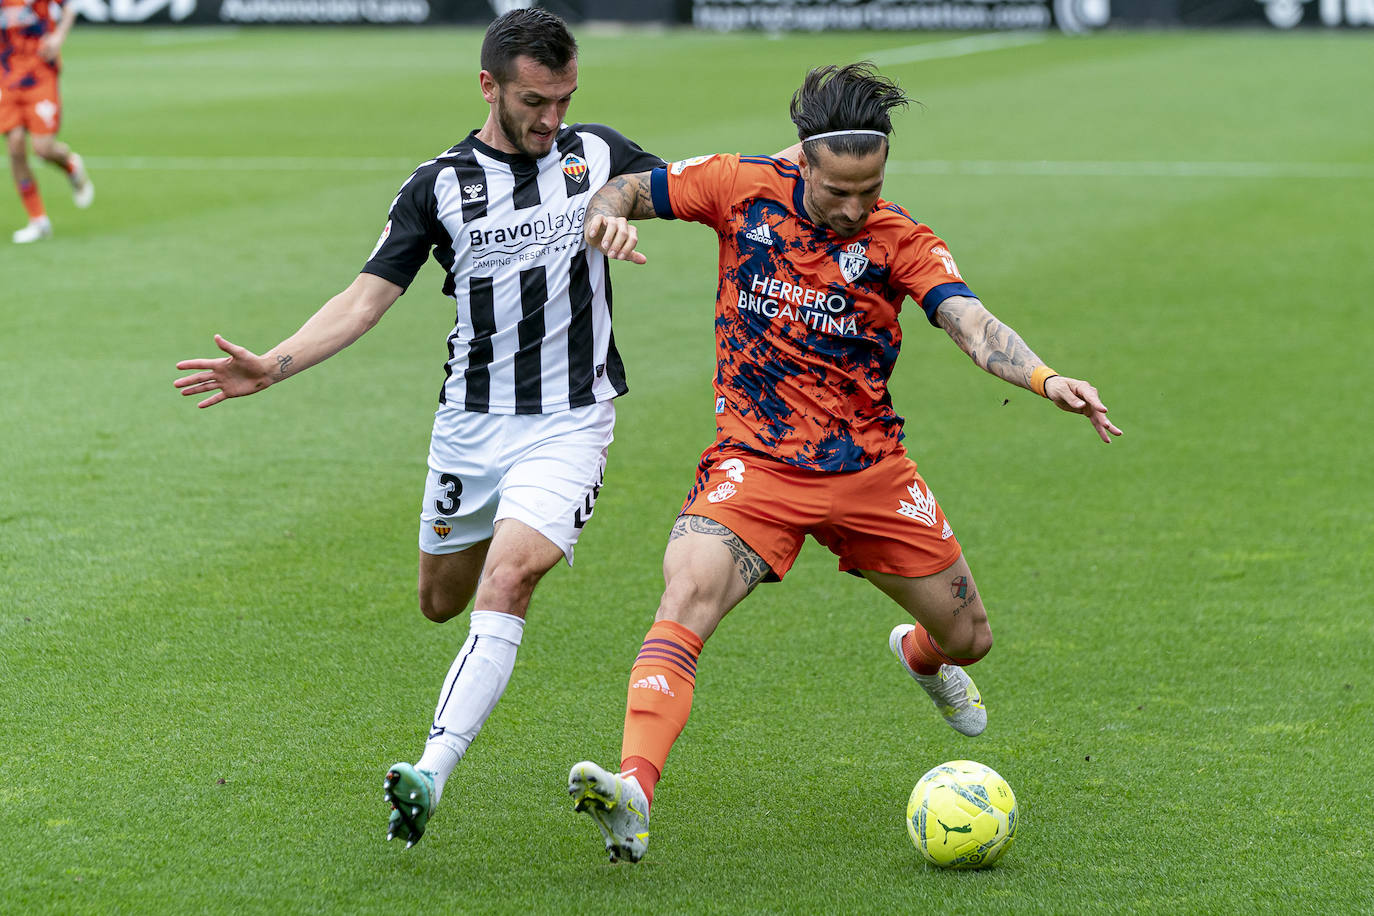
(1039, 377)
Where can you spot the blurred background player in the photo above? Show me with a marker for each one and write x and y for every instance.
(526, 412)
(31, 41)
(814, 268)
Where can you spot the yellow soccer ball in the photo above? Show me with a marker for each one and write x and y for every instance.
(961, 815)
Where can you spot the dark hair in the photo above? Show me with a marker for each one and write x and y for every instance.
(536, 33)
(852, 97)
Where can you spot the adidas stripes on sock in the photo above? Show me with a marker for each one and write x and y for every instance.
(659, 701)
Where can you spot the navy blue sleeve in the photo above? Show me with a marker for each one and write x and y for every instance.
(658, 192)
(938, 294)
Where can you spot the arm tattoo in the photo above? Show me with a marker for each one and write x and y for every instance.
(748, 564)
(994, 346)
(283, 363)
(624, 195)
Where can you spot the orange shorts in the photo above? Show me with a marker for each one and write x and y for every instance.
(31, 101)
(883, 518)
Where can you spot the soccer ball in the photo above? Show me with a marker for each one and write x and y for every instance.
(961, 815)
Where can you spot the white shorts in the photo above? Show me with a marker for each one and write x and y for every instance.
(544, 470)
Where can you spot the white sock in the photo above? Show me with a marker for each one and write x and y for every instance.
(475, 682)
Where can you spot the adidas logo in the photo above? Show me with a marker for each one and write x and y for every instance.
(653, 682)
(947, 533)
(761, 234)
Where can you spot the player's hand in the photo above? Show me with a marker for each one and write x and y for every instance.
(1077, 396)
(49, 46)
(241, 372)
(614, 237)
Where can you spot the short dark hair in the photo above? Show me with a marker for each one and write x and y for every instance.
(852, 97)
(533, 32)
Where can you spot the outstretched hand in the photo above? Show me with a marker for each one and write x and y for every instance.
(241, 372)
(1077, 396)
(614, 237)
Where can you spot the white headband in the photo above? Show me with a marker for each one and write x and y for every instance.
(845, 133)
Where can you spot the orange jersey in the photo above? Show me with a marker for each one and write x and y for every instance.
(806, 322)
(23, 24)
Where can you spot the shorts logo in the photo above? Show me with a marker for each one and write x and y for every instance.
(722, 492)
(47, 111)
(574, 167)
(720, 405)
(922, 508)
(733, 468)
(654, 682)
(853, 262)
(442, 528)
(584, 512)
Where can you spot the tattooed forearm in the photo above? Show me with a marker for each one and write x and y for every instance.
(991, 344)
(284, 362)
(623, 195)
(748, 564)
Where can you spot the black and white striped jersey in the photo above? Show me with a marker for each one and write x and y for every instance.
(533, 329)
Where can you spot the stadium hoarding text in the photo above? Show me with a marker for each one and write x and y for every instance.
(1067, 15)
(898, 15)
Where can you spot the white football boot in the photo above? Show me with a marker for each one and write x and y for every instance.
(83, 189)
(951, 689)
(618, 806)
(36, 230)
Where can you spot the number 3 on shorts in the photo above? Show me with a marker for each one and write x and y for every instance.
(450, 501)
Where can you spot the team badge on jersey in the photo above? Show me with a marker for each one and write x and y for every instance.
(853, 261)
(575, 167)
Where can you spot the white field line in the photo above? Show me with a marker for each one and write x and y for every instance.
(953, 47)
(974, 167)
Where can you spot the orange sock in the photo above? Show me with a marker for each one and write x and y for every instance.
(660, 700)
(28, 193)
(925, 656)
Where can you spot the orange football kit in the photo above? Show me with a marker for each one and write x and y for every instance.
(807, 335)
(29, 96)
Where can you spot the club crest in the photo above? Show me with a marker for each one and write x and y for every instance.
(853, 261)
(575, 167)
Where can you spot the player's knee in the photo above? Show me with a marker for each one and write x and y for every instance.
(437, 606)
(44, 147)
(509, 584)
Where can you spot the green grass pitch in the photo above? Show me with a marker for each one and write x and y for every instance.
(209, 646)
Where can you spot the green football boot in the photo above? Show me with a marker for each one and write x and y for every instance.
(411, 793)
